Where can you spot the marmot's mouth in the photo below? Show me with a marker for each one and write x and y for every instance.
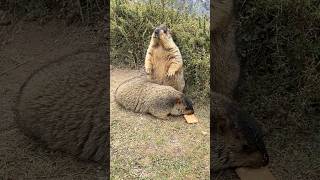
(190, 112)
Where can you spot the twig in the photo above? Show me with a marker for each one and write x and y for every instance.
(87, 12)
(100, 9)
(5, 72)
(244, 2)
(81, 13)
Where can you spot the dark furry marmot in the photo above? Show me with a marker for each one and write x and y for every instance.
(64, 104)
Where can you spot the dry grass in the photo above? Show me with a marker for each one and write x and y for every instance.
(144, 147)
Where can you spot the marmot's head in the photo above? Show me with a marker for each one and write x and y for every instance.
(241, 139)
(161, 34)
(182, 105)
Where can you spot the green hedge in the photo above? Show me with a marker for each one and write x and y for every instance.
(278, 42)
(85, 10)
(132, 25)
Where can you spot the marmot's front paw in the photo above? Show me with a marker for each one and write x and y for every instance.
(148, 70)
(164, 117)
(170, 73)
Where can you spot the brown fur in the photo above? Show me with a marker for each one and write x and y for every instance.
(140, 95)
(237, 140)
(163, 62)
(64, 105)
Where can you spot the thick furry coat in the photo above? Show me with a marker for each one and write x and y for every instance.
(64, 104)
(163, 61)
(140, 95)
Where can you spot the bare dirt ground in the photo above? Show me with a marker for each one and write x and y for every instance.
(24, 47)
(144, 147)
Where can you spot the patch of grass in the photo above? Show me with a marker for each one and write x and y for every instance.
(144, 147)
(152, 149)
(132, 25)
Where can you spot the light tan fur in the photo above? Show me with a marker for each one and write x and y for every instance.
(140, 95)
(163, 61)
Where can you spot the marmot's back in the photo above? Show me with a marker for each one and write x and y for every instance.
(64, 105)
(128, 94)
(139, 93)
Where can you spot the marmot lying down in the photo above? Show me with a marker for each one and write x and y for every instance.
(140, 95)
(163, 61)
(237, 139)
(64, 104)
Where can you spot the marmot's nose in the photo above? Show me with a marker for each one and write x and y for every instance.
(157, 31)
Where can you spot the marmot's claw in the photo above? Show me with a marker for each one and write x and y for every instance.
(148, 71)
(170, 74)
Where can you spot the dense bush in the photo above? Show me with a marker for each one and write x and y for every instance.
(132, 25)
(278, 42)
(85, 10)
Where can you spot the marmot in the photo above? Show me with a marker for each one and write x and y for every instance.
(237, 140)
(163, 62)
(64, 104)
(140, 95)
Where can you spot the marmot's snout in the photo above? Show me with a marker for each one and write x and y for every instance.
(189, 112)
(159, 30)
(189, 106)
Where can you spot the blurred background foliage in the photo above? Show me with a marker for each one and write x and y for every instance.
(85, 11)
(279, 47)
(132, 24)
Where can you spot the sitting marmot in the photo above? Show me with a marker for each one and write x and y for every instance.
(163, 62)
(140, 95)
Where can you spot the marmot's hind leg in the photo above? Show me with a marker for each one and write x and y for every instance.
(160, 114)
(181, 86)
(180, 83)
